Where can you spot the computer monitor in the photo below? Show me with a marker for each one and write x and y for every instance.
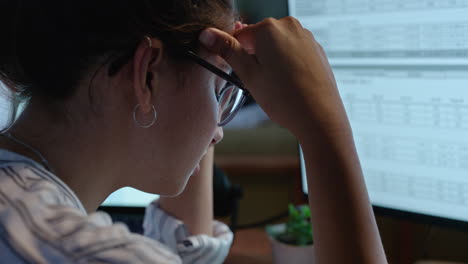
(402, 71)
(5, 106)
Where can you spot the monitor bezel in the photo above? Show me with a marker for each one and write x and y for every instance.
(421, 218)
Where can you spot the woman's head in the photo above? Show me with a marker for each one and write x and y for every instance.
(69, 36)
(89, 63)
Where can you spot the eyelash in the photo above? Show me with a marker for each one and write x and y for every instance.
(218, 91)
(219, 88)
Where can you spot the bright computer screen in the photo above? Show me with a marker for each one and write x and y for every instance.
(129, 197)
(402, 71)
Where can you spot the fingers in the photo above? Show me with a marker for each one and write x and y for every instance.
(246, 38)
(238, 25)
(230, 49)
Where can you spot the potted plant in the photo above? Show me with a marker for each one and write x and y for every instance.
(292, 242)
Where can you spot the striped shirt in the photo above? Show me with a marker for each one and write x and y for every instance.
(42, 221)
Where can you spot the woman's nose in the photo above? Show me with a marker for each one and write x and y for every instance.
(218, 136)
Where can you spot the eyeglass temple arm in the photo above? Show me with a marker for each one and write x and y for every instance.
(216, 70)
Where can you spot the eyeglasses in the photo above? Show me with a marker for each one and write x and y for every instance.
(232, 96)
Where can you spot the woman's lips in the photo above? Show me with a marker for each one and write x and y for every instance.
(197, 169)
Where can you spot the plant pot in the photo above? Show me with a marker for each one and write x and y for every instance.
(288, 254)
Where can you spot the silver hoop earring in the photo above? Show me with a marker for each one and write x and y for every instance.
(150, 43)
(155, 117)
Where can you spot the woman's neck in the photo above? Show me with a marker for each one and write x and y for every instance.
(78, 154)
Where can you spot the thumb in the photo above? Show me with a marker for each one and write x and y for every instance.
(230, 49)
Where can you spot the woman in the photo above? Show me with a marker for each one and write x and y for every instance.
(134, 93)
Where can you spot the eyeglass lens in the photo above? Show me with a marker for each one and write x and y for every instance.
(230, 99)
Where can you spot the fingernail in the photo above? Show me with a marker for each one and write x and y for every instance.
(207, 37)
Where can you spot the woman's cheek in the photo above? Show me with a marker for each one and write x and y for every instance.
(215, 109)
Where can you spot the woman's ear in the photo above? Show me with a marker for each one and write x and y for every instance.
(148, 56)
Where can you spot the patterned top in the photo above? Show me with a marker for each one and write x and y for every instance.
(42, 221)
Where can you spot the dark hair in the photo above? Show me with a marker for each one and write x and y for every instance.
(48, 45)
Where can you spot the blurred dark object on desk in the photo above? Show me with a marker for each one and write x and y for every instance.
(226, 197)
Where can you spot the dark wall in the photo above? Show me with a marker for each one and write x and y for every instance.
(256, 10)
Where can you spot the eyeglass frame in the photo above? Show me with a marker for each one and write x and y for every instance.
(114, 67)
(229, 78)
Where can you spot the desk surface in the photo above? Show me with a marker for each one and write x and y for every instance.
(251, 246)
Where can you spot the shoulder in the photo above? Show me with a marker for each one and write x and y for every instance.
(41, 223)
(20, 181)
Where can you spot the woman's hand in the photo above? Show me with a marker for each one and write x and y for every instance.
(288, 73)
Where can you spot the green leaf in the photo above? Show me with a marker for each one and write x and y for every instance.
(298, 227)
